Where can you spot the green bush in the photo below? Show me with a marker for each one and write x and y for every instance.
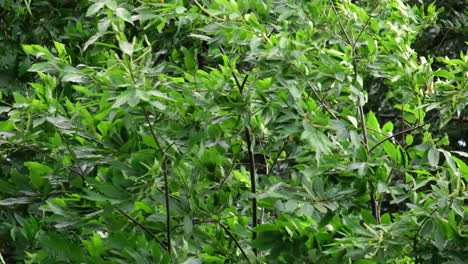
(229, 132)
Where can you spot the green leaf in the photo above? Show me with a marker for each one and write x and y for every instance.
(73, 77)
(433, 156)
(188, 225)
(15, 201)
(91, 40)
(122, 99)
(462, 166)
(353, 121)
(126, 47)
(143, 207)
(372, 122)
(124, 14)
(94, 8)
(37, 172)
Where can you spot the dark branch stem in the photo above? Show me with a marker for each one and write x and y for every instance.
(365, 136)
(74, 157)
(152, 131)
(146, 229)
(348, 39)
(234, 239)
(276, 159)
(248, 139)
(352, 43)
(168, 207)
(415, 239)
(321, 100)
(166, 182)
(253, 181)
(238, 84)
(229, 172)
(395, 135)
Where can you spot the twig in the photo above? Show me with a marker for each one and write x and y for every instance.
(355, 69)
(362, 30)
(394, 135)
(74, 157)
(415, 239)
(146, 229)
(365, 136)
(166, 182)
(229, 172)
(233, 238)
(248, 138)
(253, 182)
(152, 131)
(465, 119)
(350, 42)
(168, 207)
(320, 99)
(238, 84)
(374, 202)
(276, 159)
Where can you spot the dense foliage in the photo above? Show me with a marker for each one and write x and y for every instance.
(250, 131)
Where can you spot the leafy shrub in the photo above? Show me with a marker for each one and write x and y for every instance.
(235, 131)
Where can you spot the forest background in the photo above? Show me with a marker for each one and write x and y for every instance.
(250, 131)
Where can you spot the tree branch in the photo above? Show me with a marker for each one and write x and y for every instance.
(253, 181)
(146, 229)
(320, 99)
(233, 238)
(166, 182)
(394, 135)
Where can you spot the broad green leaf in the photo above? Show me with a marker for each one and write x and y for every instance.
(433, 156)
(372, 122)
(37, 172)
(94, 8)
(143, 207)
(126, 47)
(188, 225)
(124, 14)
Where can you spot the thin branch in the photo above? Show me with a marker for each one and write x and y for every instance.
(355, 69)
(394, 135)
(362, 30)
(238, 84)
(253, 182)
(415, 239)
(248, 138)
(241, 89)
(146, 229)
(320, 99)
(464, 119)
(152, 130)
(168, 207)
(365, 136)
(276, 159)
(350, 42)
(374, 202)
(229, 172)
(74, 157)
(233, 238)
(166, 182)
